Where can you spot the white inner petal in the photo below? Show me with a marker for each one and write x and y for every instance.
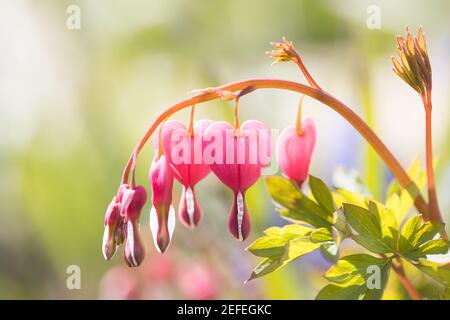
(130, 240)
(190, 205)
(154, 226)
(240, 215)
(171, 221)
(105, 240)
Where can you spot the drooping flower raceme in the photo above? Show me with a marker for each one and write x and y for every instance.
(294, 150)
(237, 156)
(183, 150)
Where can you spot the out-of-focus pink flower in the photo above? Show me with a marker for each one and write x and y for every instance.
(183, 150)
(162, 213)
(294, 151)
(198, 282)
(119, 283)
(236, 157)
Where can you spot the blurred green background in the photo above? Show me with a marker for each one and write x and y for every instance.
(73, 104)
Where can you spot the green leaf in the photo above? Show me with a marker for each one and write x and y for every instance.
(358, 276)
(288, 231)
(439, 272)
(304, 216)
(438, 246)
(321, 235)
(268, 246)
(265, 267)
(400, 203)
(342, 196)
(294, 205)
(368, 227)
(389, 224)
(417, 239)
(280, 246)
(276, 239)
(283, 192)
(335, 292)
(322, 194)
(418, 177)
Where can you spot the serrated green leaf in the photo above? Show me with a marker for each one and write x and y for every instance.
(293, 204)
(265, 267)
(342, 196)
(362, 221)
(388, 221)
(353, 278)
(281, 246)
(353, 269)
(268, 246)
(400, 203)
(276, 239)
(416, 239)
(438, 246)
(322, 194)
(417, 176)
(368, 227)
(304, 216)
(294, 249)
(321, 235)
(283, 192)
(288, 231)
(439, 272)
(335, 292)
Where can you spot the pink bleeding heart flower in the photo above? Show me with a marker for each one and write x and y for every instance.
(112, 223)
(183, 150)
(294, 150)
(132, 202)
(162, 213)
(237, 157)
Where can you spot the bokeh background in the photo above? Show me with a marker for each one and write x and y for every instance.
(73, 104)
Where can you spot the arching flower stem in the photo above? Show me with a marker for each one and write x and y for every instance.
(320, 95)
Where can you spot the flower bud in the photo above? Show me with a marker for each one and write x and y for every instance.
(162, 213)
(134, 248)
(112, 221)
(133, 200)
(294, 151)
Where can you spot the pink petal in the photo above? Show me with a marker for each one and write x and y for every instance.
(294, 151)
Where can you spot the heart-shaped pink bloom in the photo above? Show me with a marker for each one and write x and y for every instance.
(294, 151)
(162, 213)
(237, 159)
(184, 153)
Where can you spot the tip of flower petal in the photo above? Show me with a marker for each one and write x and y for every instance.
(162, 231)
